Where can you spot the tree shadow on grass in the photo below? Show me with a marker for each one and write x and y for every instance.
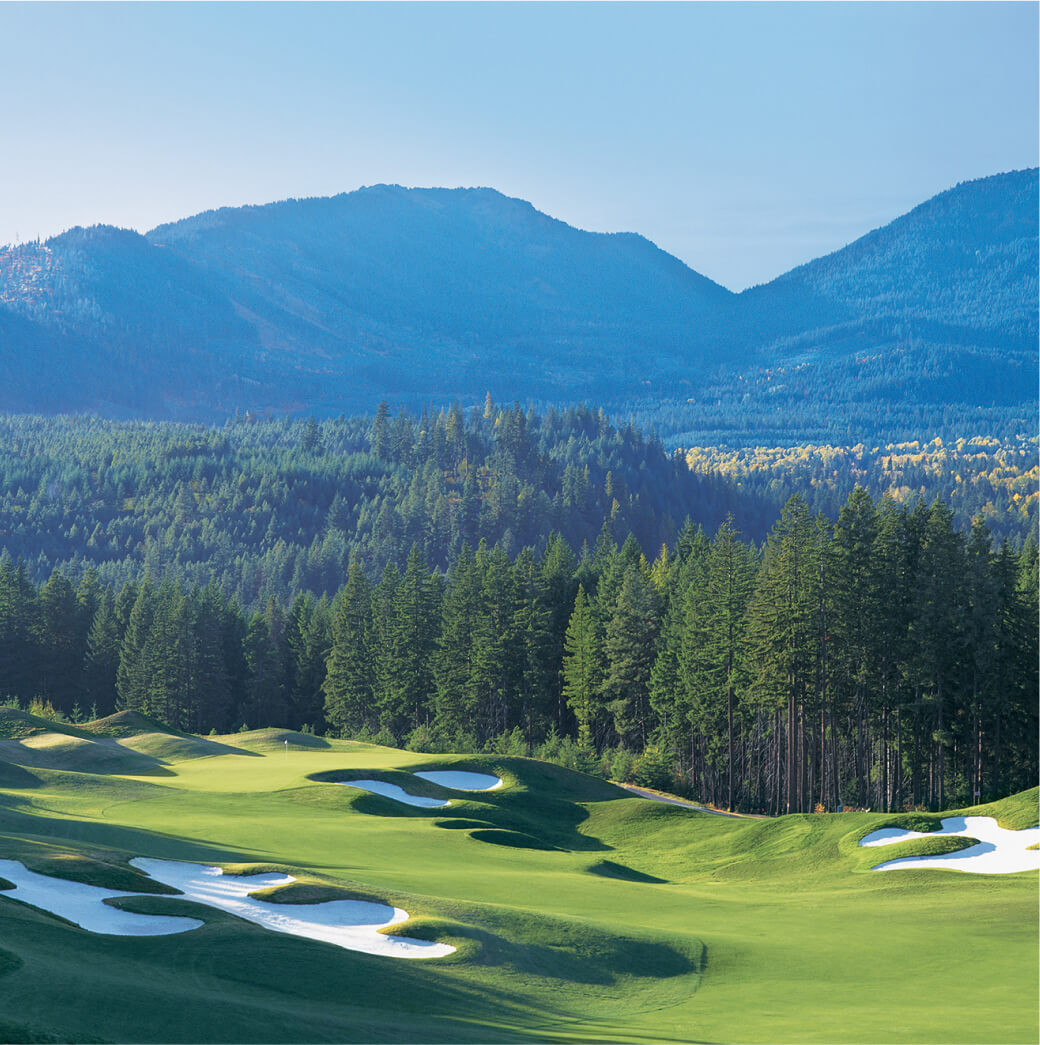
(17, 777)
(610, 869)
(513, 840)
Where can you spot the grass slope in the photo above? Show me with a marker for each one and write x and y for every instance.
(579, 911)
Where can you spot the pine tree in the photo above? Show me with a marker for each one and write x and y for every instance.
(537, 666)
(729, 583)
(783, 630)
(307, 647)
(406, 684)
(630, 635)
(350, 676)
(858, 658)
(456, 698)
(938, 629)
(495, 645)
(559, 585)
(102, 657)
(381, 432)
(209, 703)
(265, 699)
(60, 642)
(17, 611)
(132, 673)
(582, 667)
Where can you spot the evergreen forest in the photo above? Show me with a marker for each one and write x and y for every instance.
(518, 583)
(268, 508)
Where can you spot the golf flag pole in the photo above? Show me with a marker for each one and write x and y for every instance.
(287, 747)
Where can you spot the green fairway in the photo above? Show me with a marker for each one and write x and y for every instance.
(578, 911)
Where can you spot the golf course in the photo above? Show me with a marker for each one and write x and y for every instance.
(533, 903)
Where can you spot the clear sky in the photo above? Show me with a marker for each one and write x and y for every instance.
(744, 138)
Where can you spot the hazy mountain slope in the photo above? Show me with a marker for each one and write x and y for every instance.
(420, 295)
(117, 326)
(958, 271)
(417, 280)
(927, 326)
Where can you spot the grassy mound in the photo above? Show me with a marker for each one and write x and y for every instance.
(74, 754)
(1016, 812)
(126, 743)
(16, 725)
(130, 724)
(168, 748)
(267, 739)
(15, 776)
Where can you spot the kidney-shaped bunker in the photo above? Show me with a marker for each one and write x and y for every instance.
(398, 794)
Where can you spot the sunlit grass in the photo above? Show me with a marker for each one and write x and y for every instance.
(579, 912)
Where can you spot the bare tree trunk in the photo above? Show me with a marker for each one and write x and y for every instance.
(916, 772)
(941, 769)
(885, 804)
(729, 726)
(899, 756)
(791, 740)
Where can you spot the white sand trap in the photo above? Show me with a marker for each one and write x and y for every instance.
(352, 924)
(999, 850)
(82, 904)
(457, 780)
(398, 794)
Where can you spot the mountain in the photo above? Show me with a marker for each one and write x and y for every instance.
(326, 305)
(959, 271)
(321, 303)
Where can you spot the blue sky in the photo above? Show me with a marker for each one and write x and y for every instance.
(744, 138)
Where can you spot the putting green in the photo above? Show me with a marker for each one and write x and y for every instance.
(578, 911)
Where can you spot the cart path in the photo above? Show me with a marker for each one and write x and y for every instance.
(657, 796)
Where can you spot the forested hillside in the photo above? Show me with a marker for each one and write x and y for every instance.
(269, 508)
(960, 268)
(926, 326)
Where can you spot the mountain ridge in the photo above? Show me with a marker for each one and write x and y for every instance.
(433, 294)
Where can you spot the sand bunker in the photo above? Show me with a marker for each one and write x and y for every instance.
(352, 924)
(82, 904)
(457, 780)
(380, 787)
(999, 850)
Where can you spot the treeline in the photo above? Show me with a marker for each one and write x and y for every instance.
(885, 660)
(268, 508)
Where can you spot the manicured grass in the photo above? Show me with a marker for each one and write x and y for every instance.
(579, 912)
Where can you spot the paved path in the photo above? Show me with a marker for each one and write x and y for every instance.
(655, 796)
